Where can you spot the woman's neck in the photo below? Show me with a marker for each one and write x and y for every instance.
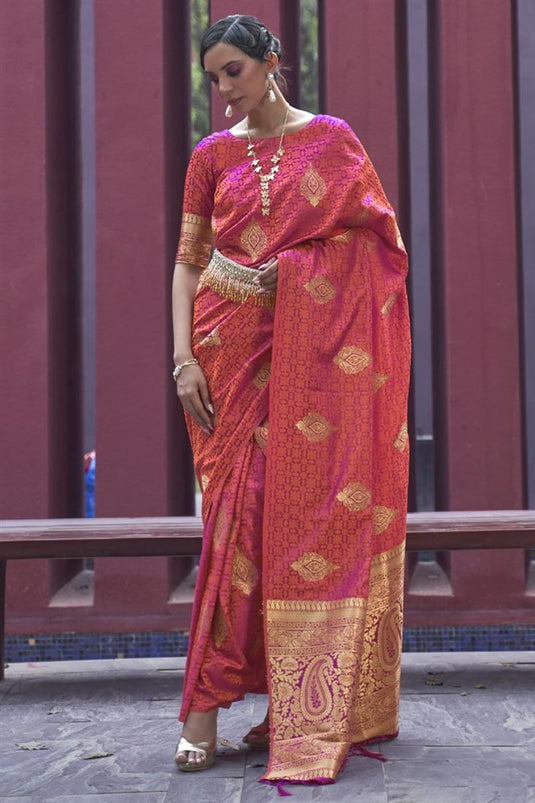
(267, 118)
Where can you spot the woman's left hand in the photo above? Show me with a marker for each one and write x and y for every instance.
(267, 276)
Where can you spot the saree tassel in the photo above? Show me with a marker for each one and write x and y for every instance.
(360, 750)
(284, 792)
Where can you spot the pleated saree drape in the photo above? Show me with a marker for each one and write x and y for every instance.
(304, 478)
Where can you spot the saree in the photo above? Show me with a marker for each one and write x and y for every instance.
(304, 478)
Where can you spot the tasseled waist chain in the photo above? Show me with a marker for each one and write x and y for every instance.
(234, 281)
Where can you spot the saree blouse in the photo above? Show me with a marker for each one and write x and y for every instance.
(326, 184)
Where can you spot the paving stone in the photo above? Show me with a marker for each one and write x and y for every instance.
(487, 768)
(202, 787)
(452, 748)
(471, 720)
(362, 780)
(128, 797)
(406, 793)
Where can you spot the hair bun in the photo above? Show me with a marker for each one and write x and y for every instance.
(275, 45)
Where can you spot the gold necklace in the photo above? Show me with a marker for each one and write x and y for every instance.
(257, 167)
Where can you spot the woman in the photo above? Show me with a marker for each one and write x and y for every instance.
(292, 364)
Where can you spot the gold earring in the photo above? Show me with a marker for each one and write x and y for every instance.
(229, 111)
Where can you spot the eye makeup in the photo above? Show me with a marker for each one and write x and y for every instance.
(232, 70)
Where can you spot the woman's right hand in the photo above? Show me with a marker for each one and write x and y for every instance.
(192, 390)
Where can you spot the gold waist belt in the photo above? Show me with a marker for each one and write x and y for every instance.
(234, 281)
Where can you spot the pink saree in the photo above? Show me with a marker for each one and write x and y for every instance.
(305, 476)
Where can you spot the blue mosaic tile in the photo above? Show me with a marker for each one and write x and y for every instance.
(93, 646)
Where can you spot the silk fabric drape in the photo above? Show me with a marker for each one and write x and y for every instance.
(329, 369)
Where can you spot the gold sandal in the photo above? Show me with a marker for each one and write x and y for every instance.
(207, 751)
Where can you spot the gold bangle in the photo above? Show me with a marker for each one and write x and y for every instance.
(178, 368)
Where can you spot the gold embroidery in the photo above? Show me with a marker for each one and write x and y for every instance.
(314, 427)
(362, 217)
(195, 240)
(335, 670)
(213, 339)
(234, 281)
(377, 704)
(219, 627)
(313, 567)
(317, 698)
(321, 289)
(345, 237)
(261, 436)
(253, 240)
(371, 244)
(355, 496)
(399, 238)
(262, 377)
(314, 609)
(222, 528)
(402, 440)
(312, 186)
(382, 518)
(352, 360)
(390, 635)
(378, 381)
(389, 303)
(313, 653)
(205, 479)
(244, 572)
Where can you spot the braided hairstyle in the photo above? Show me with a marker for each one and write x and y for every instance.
(246, 33)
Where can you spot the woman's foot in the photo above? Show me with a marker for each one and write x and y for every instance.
(258, 737)
(196, 748)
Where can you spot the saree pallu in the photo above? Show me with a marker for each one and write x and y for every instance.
(305, 477)
(335, 505)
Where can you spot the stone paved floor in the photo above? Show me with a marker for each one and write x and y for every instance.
(105, 732)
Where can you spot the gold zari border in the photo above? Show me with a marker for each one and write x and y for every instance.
(195, 242)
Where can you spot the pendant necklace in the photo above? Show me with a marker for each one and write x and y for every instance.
(257, 167)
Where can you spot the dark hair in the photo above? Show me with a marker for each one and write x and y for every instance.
(246, 33)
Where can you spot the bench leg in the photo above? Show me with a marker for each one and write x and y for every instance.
(2, 614)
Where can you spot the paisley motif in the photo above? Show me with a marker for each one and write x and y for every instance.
(316, 695)
(262, 376)
(389, 637)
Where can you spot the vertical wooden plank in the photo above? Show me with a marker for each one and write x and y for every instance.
(525, 65)
(476, 301)
(177, 146)
(133, 354)
(131, 334)
(360, 78)
(420, 262)
(63, 258)
(24, 249)
(290, 21)
(41, 421)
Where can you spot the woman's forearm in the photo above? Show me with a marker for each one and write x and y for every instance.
(185, 281)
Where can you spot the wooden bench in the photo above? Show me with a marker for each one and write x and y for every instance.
(182, 536)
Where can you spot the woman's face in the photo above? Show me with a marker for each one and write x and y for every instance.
(239, 79)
